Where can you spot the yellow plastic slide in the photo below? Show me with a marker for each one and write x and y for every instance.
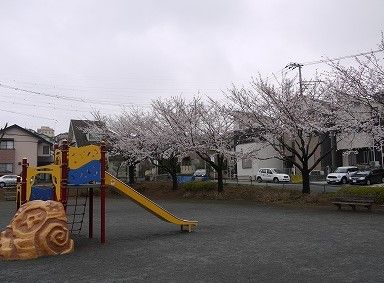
(148, 204)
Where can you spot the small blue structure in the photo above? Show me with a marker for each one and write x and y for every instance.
(42, 193)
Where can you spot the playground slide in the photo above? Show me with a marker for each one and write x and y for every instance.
(148, 204)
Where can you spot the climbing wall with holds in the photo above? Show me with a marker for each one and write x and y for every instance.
(84, 165)
(39, 228)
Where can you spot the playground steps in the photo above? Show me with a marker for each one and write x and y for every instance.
(8, 194)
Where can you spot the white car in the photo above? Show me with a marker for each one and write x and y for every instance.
(8, 180)
(271, 175)
(341, 175)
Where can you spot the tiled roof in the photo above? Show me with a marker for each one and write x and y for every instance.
(30, 132)
(79, 136)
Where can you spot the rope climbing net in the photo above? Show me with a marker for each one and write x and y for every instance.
(77, 199)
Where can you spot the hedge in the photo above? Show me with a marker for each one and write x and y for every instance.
(200, 186)
(375, 192)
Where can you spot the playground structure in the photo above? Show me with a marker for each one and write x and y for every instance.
(84, 168)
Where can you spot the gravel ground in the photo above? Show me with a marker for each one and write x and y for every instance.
(235, 241)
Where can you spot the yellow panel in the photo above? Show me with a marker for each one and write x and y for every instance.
(148, 204)
(79, 156)
(55, 172)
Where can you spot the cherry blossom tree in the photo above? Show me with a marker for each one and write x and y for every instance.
(295, 123)
(2, 130)
(137, 135)
(203, 128)
(159, 146)
(123, 137)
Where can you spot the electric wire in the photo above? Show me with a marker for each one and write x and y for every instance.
(29, 115)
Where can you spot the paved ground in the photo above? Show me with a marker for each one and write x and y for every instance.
(234, 242)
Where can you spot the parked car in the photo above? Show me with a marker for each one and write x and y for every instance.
(8, 180)
(368, 177)
(341, 175)
(200, 175)
(271, 175)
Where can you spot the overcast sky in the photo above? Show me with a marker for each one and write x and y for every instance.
(109, 54)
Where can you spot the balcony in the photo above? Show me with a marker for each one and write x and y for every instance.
(44, 160)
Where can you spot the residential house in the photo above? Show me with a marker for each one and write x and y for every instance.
(360, 148)
(49, 132)
(79, 136)
(58, 139)
(17, 143)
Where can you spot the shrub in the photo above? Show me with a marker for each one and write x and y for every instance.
(200, 186)
(375, 192)
(296, 179)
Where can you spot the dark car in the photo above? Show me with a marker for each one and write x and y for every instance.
(367, 177)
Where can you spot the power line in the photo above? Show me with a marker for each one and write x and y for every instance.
(46, 107)
(84, 88)
(68, 98)
(340, 58)
(29, 115)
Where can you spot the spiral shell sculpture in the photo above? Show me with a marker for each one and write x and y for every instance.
(39, 228)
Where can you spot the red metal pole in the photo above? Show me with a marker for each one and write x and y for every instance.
(102, 191)
(90, 214)
(18, 193)
(24, 167)
(64, 173)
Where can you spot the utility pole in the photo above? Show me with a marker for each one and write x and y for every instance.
(293, 66)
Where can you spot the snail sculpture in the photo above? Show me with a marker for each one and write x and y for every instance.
(39, 228)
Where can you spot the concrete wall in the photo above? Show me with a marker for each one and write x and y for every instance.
(354, 141)
(264, 152)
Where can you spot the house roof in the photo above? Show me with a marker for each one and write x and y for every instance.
(79, 135)
(30, 132)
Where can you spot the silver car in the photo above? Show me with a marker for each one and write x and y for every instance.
(8, 180)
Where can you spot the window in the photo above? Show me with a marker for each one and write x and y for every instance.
(46, 149)
(93, 137)
(367, 156)
(269, 171)
(246, 163)
(6, 168)
(352, 159)
(7, 144)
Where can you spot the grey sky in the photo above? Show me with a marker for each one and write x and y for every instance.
(129, 52)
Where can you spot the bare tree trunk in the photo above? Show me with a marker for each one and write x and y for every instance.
(220, 183)
(173, 171)
(219, 167)
(131, 174)
(305, 175)
(175, 185)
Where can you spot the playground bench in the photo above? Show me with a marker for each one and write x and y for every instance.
(354, 201)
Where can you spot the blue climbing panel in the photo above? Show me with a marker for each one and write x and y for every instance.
(42, 193)
(90, 172)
